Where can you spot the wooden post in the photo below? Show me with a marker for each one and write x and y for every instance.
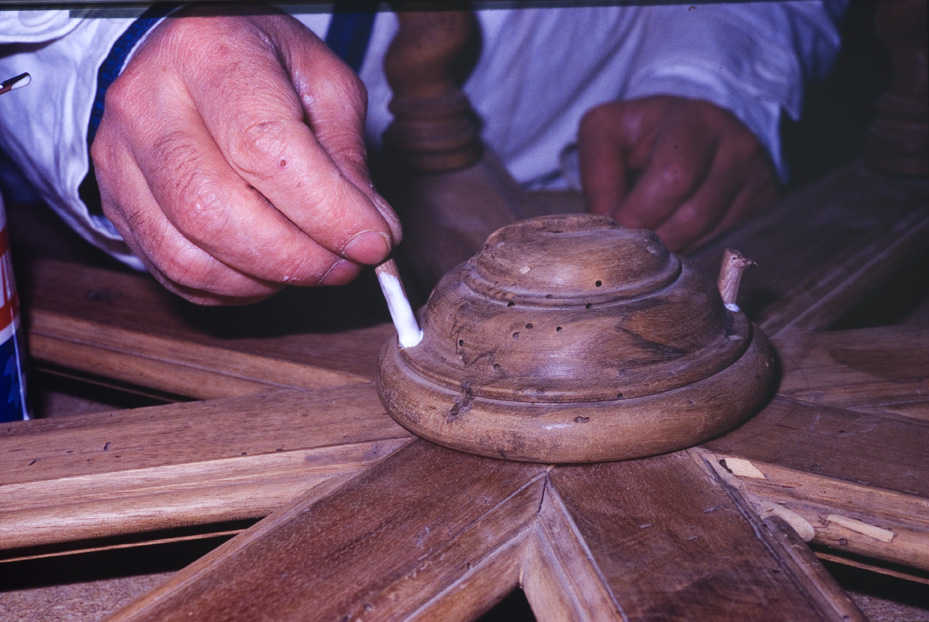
(434, 127)
(898, 142)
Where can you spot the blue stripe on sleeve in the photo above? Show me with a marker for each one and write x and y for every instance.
(348, 36)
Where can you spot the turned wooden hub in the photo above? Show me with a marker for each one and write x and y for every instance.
(573, 339)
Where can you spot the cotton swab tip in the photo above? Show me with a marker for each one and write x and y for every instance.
(409, 333)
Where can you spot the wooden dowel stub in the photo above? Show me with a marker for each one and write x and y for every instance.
(730, 277)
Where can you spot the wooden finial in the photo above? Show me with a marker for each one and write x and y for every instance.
(730, 276)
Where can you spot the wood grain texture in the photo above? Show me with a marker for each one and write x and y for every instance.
(434, 127)
(383, 547)
(670, 543)
(849, 518)
(877, 370)
(126, 327)
(582, 541)
(447, 216)
(884, 452)
(572, 339)
(821, 249)
(97, 475)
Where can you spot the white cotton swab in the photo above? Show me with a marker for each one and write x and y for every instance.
(408, 331)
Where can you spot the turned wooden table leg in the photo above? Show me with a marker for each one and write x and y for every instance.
(434, 127)
(898, 142)
(449, 190)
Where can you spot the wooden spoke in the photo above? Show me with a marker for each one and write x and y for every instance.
(169, 466)
(385, 546)
(126, 327)
(584, 542)
(849, 518)
(877, 370)
(820, 250)
(362, 521)
(667, 542)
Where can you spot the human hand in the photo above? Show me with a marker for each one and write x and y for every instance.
(231, 158)
(683, 168)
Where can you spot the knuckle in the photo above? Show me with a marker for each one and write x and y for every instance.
(692, 218)
(331, 208)
(345, 146)
(344, 85)
(744, 144)
(598, 117)
(260, 147)
(201, 212)
(676, 179)
(193, 200)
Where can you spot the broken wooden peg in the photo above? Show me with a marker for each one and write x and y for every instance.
(730, 277)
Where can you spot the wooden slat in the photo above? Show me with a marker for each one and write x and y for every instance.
(850, 518)
(884, 452)
(126, 327)
(872, 370)
(427, 534)
(836, 471)
(167, 364)
(561, 579)
(91, 476)
(847, 276)
(669, 543)
(823, 248)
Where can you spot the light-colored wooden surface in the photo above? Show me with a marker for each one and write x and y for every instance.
(816, 458)
(122, 327)
(683, 548)
(107, 474)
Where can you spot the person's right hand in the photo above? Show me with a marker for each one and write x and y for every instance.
(231, 158)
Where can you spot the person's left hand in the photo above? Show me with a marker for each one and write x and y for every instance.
(683, 168)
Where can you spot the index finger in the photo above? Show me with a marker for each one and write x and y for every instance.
(250, 107)
(602, 146)
(675, 169)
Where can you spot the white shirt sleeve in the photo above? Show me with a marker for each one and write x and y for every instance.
(45, 124)
(541, 69)
(753, 59)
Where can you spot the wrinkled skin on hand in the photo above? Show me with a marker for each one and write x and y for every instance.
(231, 158)
(683, 168)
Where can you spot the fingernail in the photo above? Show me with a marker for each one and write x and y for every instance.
(368, 247)
(387, 212)
(341, 272)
